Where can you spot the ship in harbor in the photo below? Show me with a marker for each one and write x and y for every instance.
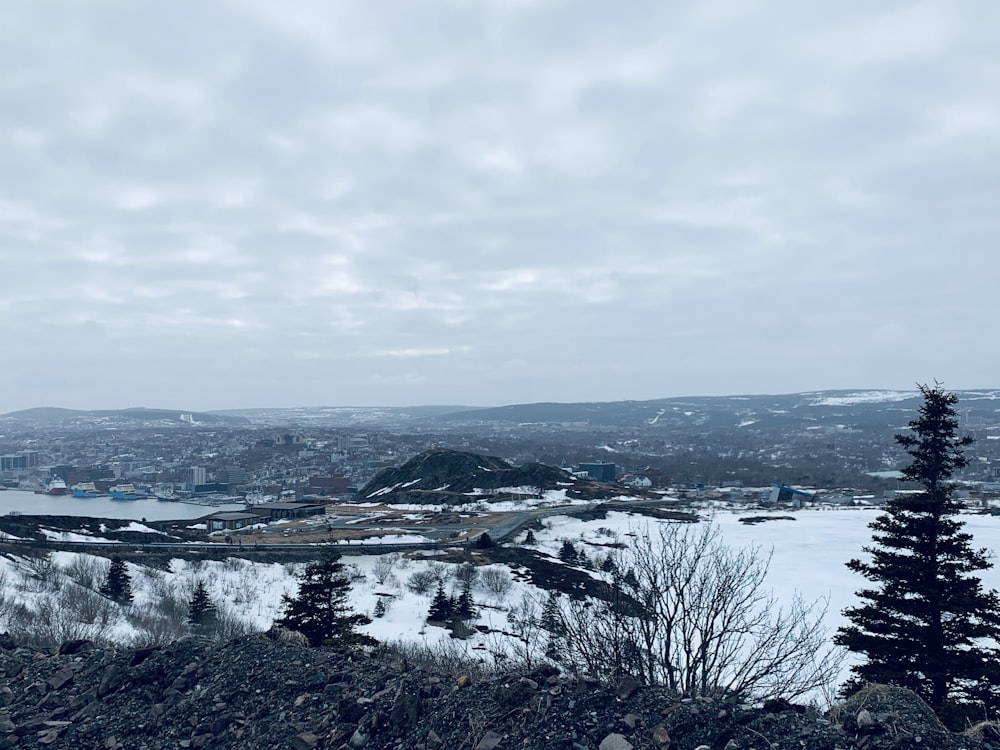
(124, 492)
(84, 489)
(55, 487)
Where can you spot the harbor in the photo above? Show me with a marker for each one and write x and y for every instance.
(151, 509)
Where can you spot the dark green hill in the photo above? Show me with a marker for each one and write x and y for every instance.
(441, 475)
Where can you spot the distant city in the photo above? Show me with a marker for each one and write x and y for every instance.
(836, 445)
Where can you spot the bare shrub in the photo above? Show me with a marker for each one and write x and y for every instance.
(245, 590)
(519, 649)
(422, 581)
(156, 584)
(229, 625)
(87, 606)
(383, 567)
(6, 602)
(693, 614)
(451, 657)
(87, 571)
(466, 575)
(49, 624)
(496, 581)
(165, 620)
(42, 571)
(442, 571)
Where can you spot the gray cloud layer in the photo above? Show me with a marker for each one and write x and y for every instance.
(217, 204)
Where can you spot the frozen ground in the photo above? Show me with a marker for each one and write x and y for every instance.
(808, 556)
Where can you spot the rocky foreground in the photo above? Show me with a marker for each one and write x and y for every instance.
(261, 692)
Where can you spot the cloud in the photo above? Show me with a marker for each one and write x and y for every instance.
(494, 201)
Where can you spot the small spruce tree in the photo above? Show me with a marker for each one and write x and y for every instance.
(441, 607)
(529, 538)
(567, 552)
(202, 612)
(117, 585)
(630, 580)
(320, 610)
(465, 607)
(551, 622)
(926, 623)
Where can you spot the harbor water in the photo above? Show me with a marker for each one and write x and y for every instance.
(28, 503)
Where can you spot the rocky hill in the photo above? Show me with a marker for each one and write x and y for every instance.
(441, 475)
(261, 692)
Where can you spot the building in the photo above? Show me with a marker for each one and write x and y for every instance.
(19, 460)
(231, 475)
(335, 484)
(600, 471)
(273, 511)
(197, 475)
(782, 495)
(231, 521)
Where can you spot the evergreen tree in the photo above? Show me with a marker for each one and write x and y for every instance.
(117, 585)
(551, 622)
(320, 610)
(926, 624)
(465, 607)
(441, 606)
(380, 608)
(202, 613)
(529, 538)
(567, 552)
(551, 619)
(630, 580)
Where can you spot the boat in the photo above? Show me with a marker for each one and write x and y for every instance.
(84, 489)
(124, 492)
(55, 487)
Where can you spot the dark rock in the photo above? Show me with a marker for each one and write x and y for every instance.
(60, 678)
(261, 692)
(627, 687)
(111, 680)
(75, 646)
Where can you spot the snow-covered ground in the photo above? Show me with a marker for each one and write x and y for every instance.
(808, 556)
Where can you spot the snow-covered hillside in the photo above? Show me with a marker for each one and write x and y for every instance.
(56, 597)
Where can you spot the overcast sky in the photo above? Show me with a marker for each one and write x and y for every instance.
(209, 204)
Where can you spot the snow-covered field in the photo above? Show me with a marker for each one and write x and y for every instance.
(808, 556)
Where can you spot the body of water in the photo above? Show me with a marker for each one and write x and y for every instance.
(28, 503)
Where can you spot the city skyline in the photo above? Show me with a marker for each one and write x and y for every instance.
(222, 205)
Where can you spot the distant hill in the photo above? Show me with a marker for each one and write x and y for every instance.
(345, 416)
(53, 416)
(859, 409)
(448, 476)
(871, 409)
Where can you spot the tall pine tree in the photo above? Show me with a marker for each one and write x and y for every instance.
(320, 610)
(926, 624)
